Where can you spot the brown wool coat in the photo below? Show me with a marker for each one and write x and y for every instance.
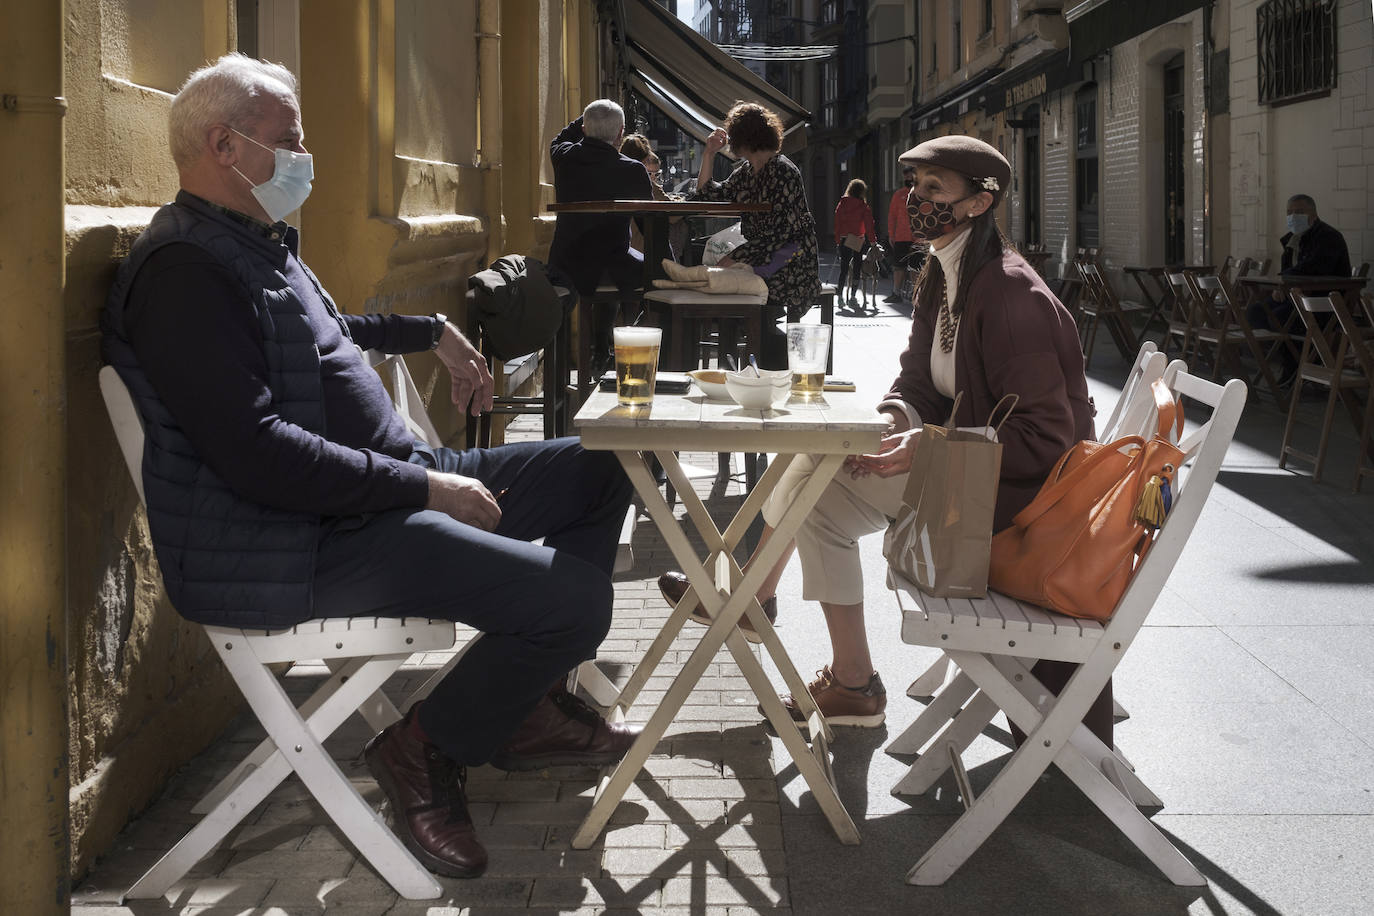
(1015, 338)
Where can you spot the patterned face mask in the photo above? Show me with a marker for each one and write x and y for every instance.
(930, 220)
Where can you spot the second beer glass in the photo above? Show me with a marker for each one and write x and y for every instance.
(807, 347)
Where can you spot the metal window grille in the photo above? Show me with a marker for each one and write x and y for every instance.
(1297, 49)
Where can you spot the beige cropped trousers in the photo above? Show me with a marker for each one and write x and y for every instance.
(828, 540)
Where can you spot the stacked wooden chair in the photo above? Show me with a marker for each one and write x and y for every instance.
(1336, 355)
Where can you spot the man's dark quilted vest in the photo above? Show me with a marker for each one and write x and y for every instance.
(224, 560)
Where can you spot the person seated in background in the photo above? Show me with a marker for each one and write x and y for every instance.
(282, 485)
(854, 232)
(780, 244)
(636, 146)
(899, 233)
(592, 247)
(1311, 248)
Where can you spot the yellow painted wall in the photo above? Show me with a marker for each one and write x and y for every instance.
(422, 177)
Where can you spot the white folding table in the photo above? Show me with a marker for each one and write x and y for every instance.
(839, 424)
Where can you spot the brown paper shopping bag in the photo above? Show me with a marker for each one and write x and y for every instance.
(942, 535)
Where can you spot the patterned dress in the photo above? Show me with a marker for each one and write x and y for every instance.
(796, 284)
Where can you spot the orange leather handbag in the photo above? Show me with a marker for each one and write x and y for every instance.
(1076, 546)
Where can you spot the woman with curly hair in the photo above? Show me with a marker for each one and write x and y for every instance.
(984, 325)
(781, 243)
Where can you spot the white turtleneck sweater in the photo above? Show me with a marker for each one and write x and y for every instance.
(941, 363)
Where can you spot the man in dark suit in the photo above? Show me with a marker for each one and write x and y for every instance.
(587, 165)
(1311, 248)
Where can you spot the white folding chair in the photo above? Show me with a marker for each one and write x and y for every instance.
(995, 641)
(361, 654)
(1133, 413)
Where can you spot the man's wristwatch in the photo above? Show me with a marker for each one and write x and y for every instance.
(440, 321)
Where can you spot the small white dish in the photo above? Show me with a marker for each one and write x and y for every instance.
(712, 383)
(759, 392)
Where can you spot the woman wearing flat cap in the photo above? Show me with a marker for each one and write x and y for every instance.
(983, 324)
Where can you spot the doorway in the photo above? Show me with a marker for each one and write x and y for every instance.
(1031, 197)
(1174, 135)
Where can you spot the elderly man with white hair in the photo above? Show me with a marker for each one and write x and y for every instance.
(592, 247)
(281, 484)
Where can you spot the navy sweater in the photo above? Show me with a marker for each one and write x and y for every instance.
(201, 348)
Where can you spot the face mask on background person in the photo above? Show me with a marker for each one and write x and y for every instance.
(289, 185)
(1298, 223)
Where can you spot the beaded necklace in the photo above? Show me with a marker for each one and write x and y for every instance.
(947, 324)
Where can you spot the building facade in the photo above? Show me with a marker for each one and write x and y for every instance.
(421, 179)
(1162, 133)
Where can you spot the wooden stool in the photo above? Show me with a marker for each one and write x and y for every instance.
(687, 307)
(552, 403)
(585, 306)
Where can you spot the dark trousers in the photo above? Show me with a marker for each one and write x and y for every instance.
(850, 263)
(541, 609)
(1099, 718)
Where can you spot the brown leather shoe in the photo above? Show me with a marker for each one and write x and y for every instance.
(564, 730)
(864, 707)
(673, 585)
(428, 806)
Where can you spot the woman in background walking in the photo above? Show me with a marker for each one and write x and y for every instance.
(854, 232)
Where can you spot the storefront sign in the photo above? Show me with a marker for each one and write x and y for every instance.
(1025, 91)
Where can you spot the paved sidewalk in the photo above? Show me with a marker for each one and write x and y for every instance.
(1251, 700)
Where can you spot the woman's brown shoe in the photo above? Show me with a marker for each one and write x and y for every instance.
(673, 586)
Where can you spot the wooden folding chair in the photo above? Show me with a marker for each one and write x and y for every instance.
(995, 641)
(1101, 305)
(1230, 329)
(1357, 323)
(1323, 362)
(1132, 414)
(1182, 314)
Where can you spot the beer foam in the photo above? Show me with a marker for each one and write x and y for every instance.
(638, 337)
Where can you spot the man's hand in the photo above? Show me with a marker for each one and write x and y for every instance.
(463, 499)
(472, 382)
(893, 458)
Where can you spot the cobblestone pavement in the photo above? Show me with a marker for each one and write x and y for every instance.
(1251, 705)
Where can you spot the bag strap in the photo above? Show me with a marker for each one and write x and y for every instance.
(997, 426)
(954, 408)
(1056, 491)
(1169, 410)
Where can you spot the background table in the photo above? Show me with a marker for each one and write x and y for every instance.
(656, 214)
(839, 424)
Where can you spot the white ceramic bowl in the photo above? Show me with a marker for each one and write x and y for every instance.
(759, 392)
(712, 383)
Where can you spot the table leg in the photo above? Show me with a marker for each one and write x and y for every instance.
(726, 598)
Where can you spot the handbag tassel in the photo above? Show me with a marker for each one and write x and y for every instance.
(1156, 498)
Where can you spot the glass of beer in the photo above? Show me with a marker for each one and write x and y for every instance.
(807, 347)
(636, 364)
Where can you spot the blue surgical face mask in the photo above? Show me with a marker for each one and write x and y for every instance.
(1298, 223)
(289, 185)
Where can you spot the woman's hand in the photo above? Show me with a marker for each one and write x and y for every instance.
(893, 458)
(715, 142)
(726, 261)
(472, 383)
